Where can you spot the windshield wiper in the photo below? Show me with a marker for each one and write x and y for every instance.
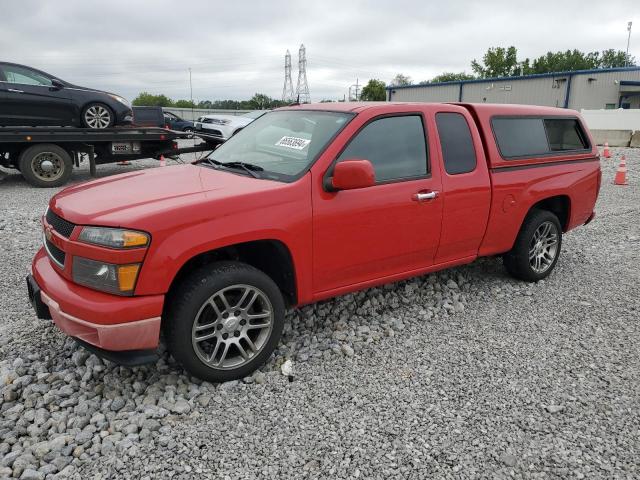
(250, 168)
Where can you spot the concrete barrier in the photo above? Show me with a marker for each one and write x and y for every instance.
(635, 139)
(619, 119)
(615, 138)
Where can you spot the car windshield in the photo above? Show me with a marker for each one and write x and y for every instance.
(254, 114)
(282, 144)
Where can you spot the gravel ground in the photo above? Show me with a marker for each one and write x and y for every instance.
(461, 374)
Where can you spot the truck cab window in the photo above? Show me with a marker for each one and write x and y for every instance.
(395, 146)
(458, 152)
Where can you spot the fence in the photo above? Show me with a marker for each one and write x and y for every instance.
(619, 128)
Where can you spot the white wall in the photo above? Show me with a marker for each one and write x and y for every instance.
(612, 119)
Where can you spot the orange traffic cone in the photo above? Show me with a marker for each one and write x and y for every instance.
(163, 162)
(621, 173)
(606, 152)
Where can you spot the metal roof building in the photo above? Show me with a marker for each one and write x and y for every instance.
(607, 88)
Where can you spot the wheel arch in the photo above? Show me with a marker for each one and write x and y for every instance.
(559, 205)
(270, 256)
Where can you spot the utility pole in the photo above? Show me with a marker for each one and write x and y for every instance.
(302, 90)
(626, 60)
(287, 90)
(355, 86)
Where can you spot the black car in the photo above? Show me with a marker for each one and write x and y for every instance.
(30, 97)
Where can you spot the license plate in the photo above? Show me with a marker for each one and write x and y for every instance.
(125, 147)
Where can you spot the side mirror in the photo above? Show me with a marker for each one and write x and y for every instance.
(55, 83)
(352, 174)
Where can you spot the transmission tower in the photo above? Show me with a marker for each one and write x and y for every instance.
(287, 90)
(302, 91)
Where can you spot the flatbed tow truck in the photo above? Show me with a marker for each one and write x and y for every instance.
(45, 156)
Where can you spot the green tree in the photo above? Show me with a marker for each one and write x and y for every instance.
(449, 77)
(260, 101)
(565, 61)
(374, 91)
(401, 80)
(184, 104)
(145, 99)
(611, 58)
(497, 62)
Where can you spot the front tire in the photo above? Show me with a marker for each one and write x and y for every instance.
(98, 116)
(537, 248)
(224, 321)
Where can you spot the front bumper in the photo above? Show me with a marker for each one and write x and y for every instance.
(105, 321)
(220, 131)
(124, 116)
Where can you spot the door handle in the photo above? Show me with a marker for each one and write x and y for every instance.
(14, 90)
(424, 196)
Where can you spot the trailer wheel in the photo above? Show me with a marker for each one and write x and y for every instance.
(45, 165)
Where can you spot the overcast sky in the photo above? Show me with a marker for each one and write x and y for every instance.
(236, 48)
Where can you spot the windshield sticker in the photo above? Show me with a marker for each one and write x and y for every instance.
(293, 142)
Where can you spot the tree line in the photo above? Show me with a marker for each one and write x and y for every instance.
(259, 101)
(504, 62)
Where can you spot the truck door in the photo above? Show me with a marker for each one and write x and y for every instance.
(390, 228)
(31, 99)
(466, 185)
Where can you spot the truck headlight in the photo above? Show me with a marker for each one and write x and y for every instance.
(114, 237)
(107, 277)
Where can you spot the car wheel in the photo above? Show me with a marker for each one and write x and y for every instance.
(537, 247)
(188, 129)
(97, 116)
(45, 165)
(224, 321)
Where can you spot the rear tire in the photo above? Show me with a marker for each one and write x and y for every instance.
(224, 320)
(537, 248)
(45, 165)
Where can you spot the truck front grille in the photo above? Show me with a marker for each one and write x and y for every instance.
(55, 254)
(59, 224)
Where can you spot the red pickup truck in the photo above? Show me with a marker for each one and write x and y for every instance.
(304, 204)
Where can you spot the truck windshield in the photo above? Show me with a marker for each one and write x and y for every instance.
(281, 145)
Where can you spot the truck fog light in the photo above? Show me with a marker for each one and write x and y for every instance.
(107, 277)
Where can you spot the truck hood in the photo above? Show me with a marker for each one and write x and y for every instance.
(126, 199)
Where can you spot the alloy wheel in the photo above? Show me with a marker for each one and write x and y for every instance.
(232, 327)
(97, 116)
(543, 247)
